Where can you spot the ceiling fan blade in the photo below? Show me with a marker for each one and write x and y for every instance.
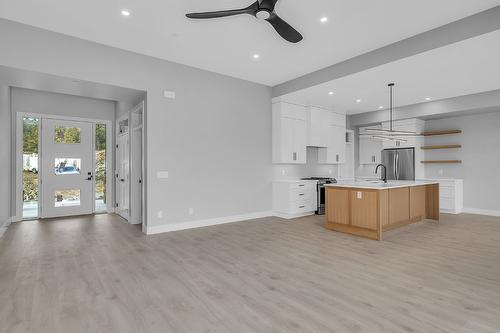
(284, 29)
(268, 4)
(223, 13)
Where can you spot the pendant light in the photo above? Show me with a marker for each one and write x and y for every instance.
(389, 134)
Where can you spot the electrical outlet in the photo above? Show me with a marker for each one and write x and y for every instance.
(160, 214)
(162, 174)
(441, 172)
(330, 171)
(359, 195)
(191, 211)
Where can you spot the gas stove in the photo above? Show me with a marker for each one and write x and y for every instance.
(323, 180)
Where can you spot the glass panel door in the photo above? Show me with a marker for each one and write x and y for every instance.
(66, 168)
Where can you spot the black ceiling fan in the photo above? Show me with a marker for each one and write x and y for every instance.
(261, 9)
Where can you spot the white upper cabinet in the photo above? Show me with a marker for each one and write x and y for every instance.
(335, 153)
(317, 127)
(289, 133)
(370, 150)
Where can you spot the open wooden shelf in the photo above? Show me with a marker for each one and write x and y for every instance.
(448, 132)
(441, 147)
(441, 161)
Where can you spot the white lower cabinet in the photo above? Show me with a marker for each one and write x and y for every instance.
(451, 198)
(292, 198)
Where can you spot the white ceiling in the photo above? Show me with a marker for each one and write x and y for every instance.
(463, 68)
(159, 28)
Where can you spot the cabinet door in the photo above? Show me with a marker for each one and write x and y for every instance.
(369, 151)
(340, 154)
(287, 152)
(336, 151)
(300, 141)
(318, 126)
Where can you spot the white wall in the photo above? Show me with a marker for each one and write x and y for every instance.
(34, 101)
(5, 154)
(480, 155)
(214, 139)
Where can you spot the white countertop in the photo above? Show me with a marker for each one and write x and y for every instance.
(294, 181)
(380, 185)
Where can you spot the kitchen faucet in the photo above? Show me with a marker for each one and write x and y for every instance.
(384, 175)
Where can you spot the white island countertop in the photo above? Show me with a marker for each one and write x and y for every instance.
(380, 185)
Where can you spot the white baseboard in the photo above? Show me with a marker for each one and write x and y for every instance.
(4, 225)
(205, 223)
(482, 211)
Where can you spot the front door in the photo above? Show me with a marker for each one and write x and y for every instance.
(66, 168)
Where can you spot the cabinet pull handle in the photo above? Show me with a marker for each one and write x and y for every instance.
(301, 194)
(301, 206)
(301, 185)
(294, 156)
(337, 157)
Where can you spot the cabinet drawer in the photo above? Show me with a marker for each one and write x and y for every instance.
(301, 207)
(446, 192)
(301, 195)
(305, 186)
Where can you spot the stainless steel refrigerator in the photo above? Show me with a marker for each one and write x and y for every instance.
(400, 163)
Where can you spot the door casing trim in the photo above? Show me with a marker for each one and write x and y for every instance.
(18, 175)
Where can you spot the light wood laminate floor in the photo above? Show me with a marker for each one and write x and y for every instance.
(98, 274)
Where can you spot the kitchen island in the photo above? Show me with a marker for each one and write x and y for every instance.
(368, 208)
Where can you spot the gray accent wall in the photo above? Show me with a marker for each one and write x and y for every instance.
(480, 155)
(5, 154)
(214, 139)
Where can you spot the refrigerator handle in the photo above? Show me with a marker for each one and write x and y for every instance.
(397, 166)
(394, 166)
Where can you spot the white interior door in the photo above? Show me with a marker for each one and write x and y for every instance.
(123, 175)
(66, 168)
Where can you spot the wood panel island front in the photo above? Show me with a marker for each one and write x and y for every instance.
(367, 209)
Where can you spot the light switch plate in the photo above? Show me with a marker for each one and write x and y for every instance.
(162, 174)
(169, 94)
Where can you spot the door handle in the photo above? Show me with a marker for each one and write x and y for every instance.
(90, 176)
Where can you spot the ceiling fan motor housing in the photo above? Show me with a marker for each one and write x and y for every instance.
(263, 14)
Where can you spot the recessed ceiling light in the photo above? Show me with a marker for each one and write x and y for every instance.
(324, 19)
(428, 98)
(125, 13)
(381, 107)
(358, 101)
(256, 56)
(330, 93)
